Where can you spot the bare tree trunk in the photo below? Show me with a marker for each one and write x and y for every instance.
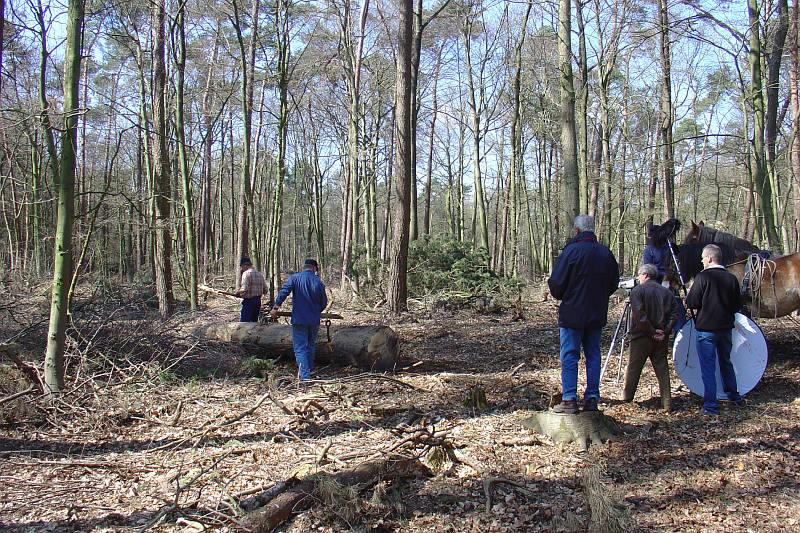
(582, 120)
(794, 86)
(516, 146)
(282, 48)
(569, 142)
(162, 189)
(205, 241)
(246, 243)
(666, 110)
(398, 267)
(476, 108)
(759, 171)
(188, 207)
(771, 115)
(62, 267)
(429, 177)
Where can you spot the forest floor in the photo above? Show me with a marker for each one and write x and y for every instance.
(161, 432)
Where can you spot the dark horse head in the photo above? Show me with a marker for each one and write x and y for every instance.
(689, 258)
(659, 235)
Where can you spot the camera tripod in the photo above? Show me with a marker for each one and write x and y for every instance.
(625, 318)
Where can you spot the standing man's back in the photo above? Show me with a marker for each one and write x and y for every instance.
(584, 276)
(308, 302)
(715, 295)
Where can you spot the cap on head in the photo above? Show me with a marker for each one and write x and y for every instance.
(245, 261)
(311, 263)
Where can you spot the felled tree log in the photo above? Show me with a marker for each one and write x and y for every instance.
(301, 497)
(582, 428)
(368, 347)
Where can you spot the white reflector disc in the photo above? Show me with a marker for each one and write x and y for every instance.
(748, 355)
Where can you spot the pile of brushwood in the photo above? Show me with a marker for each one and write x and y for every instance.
(451, 275)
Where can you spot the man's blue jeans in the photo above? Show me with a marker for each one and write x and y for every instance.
(713, 345)
(571, 341)
(303, 339)
(250, 309)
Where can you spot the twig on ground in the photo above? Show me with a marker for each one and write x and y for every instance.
(490, 481)
(13, 397)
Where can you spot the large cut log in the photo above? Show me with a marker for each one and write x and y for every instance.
(369, 347)
(303, 495)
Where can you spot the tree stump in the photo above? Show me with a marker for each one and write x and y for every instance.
(583, 428)
(373, 348)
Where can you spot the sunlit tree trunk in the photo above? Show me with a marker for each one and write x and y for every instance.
(183, 163)
(282, 48)
(162, 192)
(666, 116)
(62, 264)
(482, 229)
(759, 170)
(569, 143)
(794, 86)
(246, 241)
(515, 174)
(398, 266)
(771, 114)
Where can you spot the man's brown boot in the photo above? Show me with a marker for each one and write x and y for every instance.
(566, 407)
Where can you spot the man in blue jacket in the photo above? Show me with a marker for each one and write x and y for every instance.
(583, 278)
(308, 302)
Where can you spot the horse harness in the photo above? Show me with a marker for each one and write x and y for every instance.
(754, 268)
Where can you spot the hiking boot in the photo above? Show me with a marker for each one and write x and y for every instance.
(566, 407)
(590, 404)
(706, 412)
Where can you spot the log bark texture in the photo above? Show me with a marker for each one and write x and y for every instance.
(373, 348)
(301, 497)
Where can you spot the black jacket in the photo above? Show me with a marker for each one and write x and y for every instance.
(715, 295)
(584, 276)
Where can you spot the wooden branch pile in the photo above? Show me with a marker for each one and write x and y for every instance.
(302, 495)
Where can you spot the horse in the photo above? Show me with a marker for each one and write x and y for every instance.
(700, 233)
(773, 285)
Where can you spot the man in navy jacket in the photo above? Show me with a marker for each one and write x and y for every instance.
(584, 276)
(308, 302)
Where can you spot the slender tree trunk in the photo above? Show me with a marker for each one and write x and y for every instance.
(205, 242)
(282, 47)
(794, 87)
(161, 169)
(582, 120)
(188, 208)
(398, 266)
(62, 271)
(759, 171)
(771, 114)
(482, 229)
(431, 136)
(569, 142)
(516, 144)
(246, 243)
(666, 116)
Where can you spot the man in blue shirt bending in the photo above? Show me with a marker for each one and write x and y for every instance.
(308, 302)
